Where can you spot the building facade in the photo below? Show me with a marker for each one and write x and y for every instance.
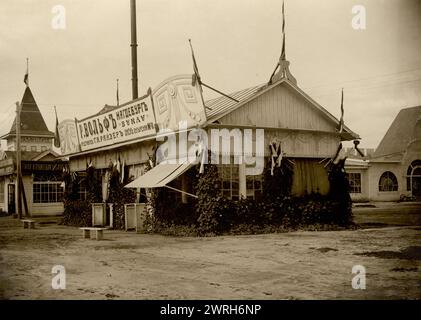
(299, 128)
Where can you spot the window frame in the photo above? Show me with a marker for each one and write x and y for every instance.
(230, 180)
(355, 189)
(392, 177)
(255, 193)
(47, 192)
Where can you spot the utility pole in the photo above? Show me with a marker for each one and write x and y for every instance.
(133, 45)
(18, 161)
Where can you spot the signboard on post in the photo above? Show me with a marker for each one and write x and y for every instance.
(177, 99)
(7, 167)
(130, 121)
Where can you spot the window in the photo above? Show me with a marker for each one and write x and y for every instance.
(229, 175)
(47, 192)
(388, 182)
(254, 187)
(414, 171)
(33, 148)
(81, 190)
(354, 182)
(43, 148)
(1, 190)
(47, 188)
(23, 148)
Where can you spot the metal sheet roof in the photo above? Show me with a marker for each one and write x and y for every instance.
(221, 105)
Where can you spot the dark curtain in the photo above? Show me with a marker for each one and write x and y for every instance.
(309, 177)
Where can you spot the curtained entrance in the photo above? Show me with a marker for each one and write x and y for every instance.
(309, 177)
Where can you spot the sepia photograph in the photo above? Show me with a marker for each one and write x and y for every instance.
(250, 151)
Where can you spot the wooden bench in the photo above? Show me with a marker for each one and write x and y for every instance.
(99, 232)
(28, 224)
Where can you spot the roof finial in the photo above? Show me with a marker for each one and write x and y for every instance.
(283, 64)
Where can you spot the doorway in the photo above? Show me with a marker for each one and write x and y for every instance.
(11, 198)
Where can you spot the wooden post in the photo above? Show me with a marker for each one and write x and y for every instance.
(25, 203)
(111, 215)
(18, 161)
(242, 180)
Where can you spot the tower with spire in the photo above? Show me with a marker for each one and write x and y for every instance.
(35, 136)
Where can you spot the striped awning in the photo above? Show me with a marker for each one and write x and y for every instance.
(160, 175)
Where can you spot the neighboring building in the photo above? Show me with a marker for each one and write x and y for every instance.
(394, 169)
(41, 167)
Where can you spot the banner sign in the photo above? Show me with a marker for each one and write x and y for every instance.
(50, 166)
(7, 167)
(130, 121)
(69, 142)
(177, 99)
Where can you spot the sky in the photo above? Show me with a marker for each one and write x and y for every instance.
(237, 44)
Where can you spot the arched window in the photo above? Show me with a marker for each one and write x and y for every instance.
(388, 182)
(413, 173)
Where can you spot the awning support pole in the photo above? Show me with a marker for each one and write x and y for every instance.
(189, 194)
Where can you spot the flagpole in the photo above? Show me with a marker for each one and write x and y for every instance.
(199, 80)
(18, 161)
(341, 121)
(27, 71)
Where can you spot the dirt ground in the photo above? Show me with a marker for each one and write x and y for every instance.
(295, 265)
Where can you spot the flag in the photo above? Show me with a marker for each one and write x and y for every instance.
(341, 121)
(118, 98)
(276, 155)
(26, 77)
(283, 55)
(195, 68)
(123, 164)
(56, 135)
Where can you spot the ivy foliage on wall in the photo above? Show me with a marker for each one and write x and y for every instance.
(211, 213)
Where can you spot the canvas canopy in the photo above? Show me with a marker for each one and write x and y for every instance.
(160, 176)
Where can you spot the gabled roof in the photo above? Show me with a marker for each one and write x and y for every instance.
(400, 133)
(222, 106)
(45, 153)
(30, 155)
(25, 155)
(31, 118)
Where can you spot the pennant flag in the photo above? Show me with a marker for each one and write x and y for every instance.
(26, 78)
(195, 68)
(276, 155)
(341, 121)
(283, 55)
(56, 134)
(118, 98)
(123, 164)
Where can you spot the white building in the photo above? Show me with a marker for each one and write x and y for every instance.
(394, 170)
